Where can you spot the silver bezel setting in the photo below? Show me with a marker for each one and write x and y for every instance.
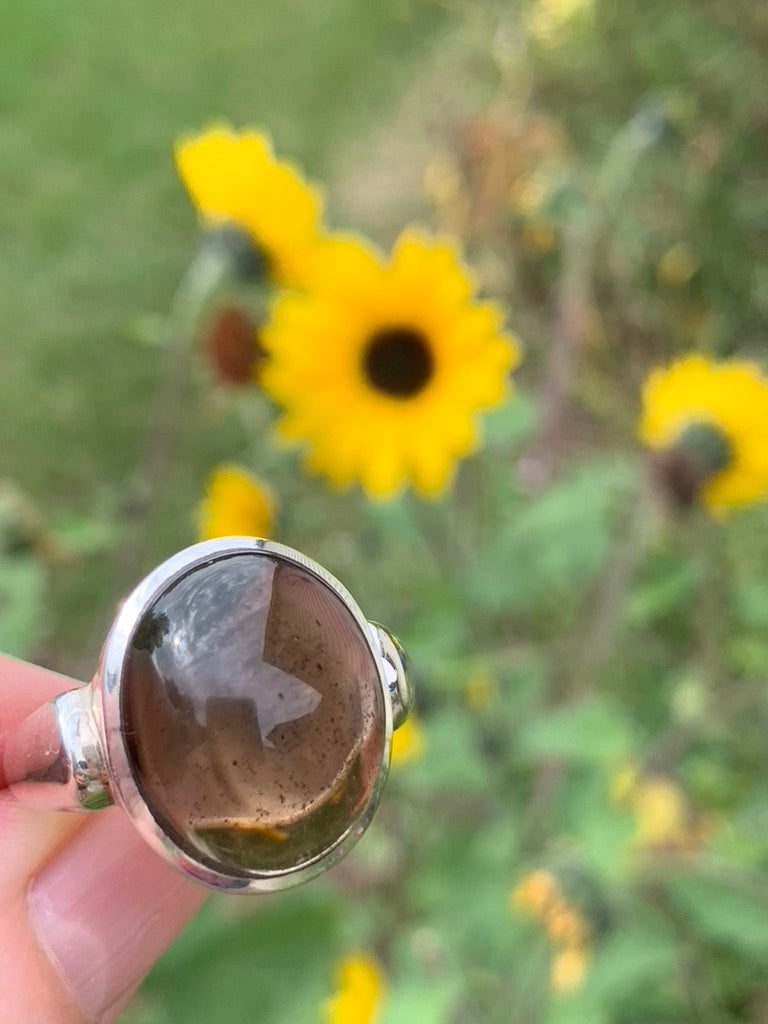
(107, 711)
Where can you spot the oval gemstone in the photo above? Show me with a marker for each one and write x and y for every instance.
(253, 715)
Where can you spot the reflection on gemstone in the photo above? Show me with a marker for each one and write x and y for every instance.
(208, 645)
(254, 721)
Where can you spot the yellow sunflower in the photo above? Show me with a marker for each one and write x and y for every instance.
(382, 366)
(360, 992)
(237, 504)
(234, 178)
(718, 414)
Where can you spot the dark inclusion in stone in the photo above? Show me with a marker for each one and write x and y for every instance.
(253, 716)
(398, 361)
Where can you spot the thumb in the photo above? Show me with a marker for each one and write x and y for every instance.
(102, 910)
(85, 906)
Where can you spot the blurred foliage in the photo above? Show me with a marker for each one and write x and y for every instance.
(590, 666)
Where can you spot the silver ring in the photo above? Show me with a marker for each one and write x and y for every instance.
(242, 715)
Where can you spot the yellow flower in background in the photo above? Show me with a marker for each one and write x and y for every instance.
(717, 412)
(663, 817)
(383, 367)
(565, 926)
(535, 893)
(407, 742)
(360, 992)
(539, 895)
(234, 178)
(237, 504)
(661, 813)
(568, 968)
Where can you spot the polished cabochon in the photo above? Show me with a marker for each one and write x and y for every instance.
(247, 711)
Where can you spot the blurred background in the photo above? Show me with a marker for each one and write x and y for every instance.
(576, 826)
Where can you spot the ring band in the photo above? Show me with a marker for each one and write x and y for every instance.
(242, 715)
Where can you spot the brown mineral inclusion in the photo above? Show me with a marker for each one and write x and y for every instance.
(253, 714)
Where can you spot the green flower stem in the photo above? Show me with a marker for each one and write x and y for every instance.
(589, 223)
(203, 278)
(584, 655)
(599, 638)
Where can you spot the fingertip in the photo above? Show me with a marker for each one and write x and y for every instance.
(104, 909)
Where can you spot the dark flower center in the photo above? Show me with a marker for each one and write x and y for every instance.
(398, 362)
(701, 452)
(708, 445)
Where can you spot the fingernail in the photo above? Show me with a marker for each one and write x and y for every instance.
(105, 908)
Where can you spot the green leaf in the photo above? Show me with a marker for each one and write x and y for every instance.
(576, 1008)
(748, 655)
(419, 1003)
(751, 600)
(603, 831)
(85, 535)
(630, 959)
(592, 730)
(673, 589)
(542, 553)
(451, 741)
(272, 965)
(511, 423)
(724, 914)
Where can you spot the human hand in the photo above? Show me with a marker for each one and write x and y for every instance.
(85, 906)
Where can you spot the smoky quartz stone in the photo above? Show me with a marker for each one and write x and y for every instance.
(253, 714)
